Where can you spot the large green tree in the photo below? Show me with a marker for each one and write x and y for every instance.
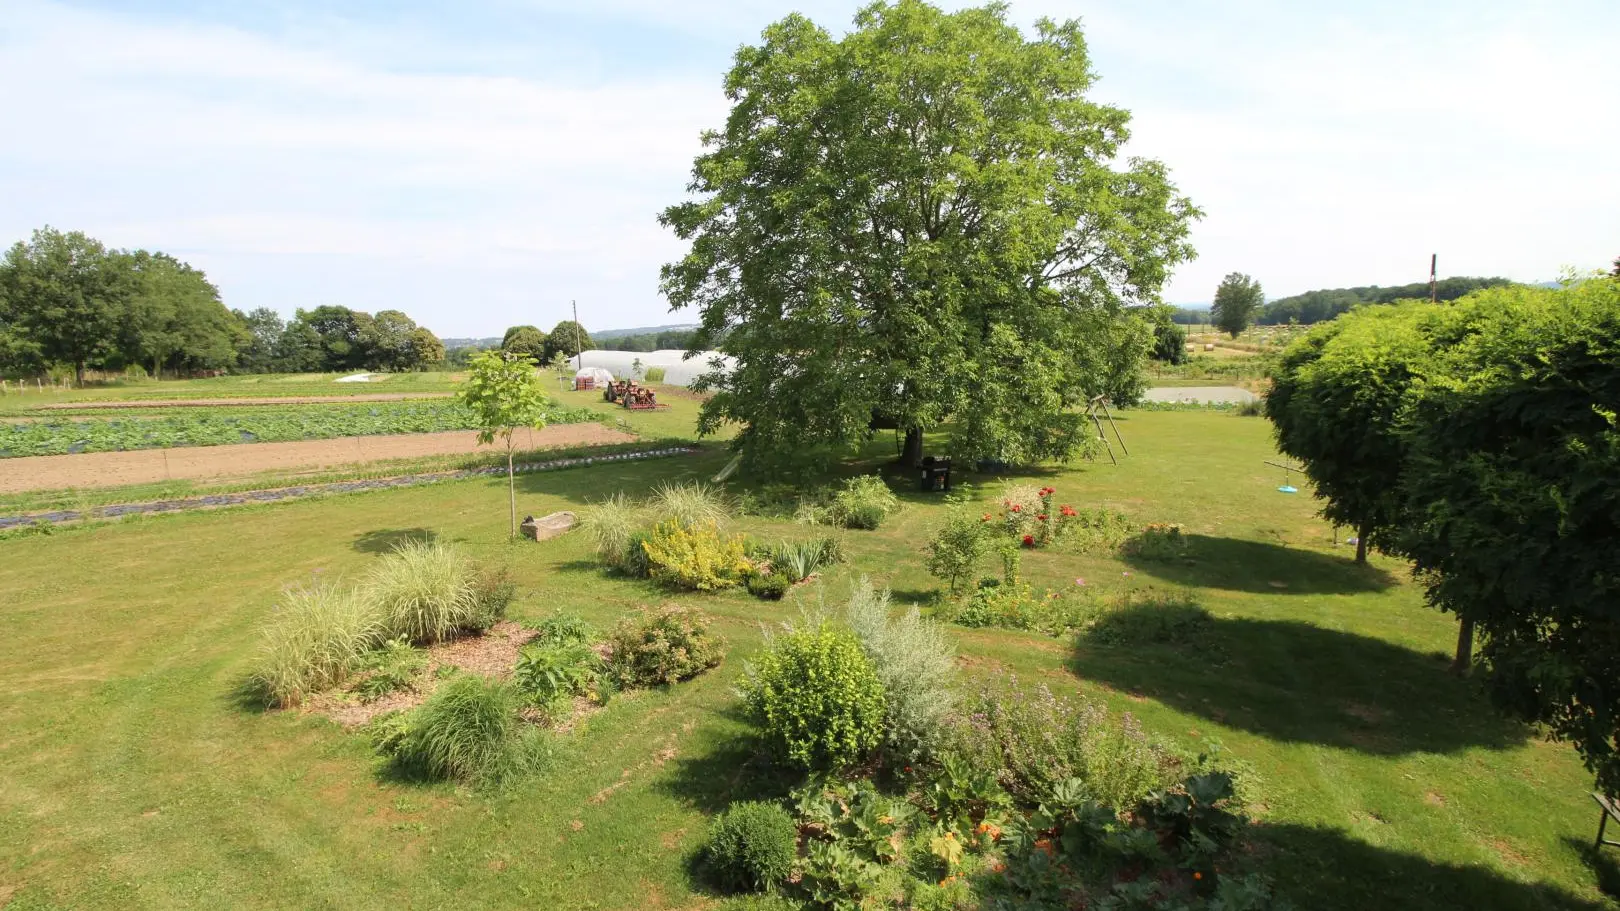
(1513, 501)
(345, 336)
(1237, 301)
(66, 297)
(174, 316)
(923, 221)
(527, 341)
(566, 340)
(261, 332)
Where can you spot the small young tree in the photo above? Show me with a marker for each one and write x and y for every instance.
(957, 548)
(504, 392)
(635, 368)
(1237, 300)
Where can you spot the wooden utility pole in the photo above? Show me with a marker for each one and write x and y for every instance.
(579, 339)
(1434, 262)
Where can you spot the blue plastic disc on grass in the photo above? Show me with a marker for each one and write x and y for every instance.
(1288, 488)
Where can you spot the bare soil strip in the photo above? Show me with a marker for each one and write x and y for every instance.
(149, 466)
(257, 400)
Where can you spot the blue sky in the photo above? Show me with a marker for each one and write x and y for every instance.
(480, 164)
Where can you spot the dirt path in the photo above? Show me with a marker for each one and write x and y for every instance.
(256, 400)
(148, 466)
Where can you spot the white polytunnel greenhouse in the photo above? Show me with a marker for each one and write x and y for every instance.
(677, 370)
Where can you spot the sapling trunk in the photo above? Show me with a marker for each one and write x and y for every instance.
(511, 489)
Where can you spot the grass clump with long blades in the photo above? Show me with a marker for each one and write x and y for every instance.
(468, 731)
(426, 592)
(312, 641)
(693, 505)
(611, 527)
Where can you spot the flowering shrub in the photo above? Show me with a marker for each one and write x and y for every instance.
(694, 557)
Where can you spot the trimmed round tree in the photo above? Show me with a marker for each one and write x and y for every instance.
(1513, 502)
(1338, 401)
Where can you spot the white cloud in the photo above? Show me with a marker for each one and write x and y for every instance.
(339, 163)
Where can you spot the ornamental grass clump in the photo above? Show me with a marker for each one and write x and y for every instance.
(313, 641)
(425, 592)
(467, 731)
(863, 502)
(816, 697)
(611, 527)
(693, 505)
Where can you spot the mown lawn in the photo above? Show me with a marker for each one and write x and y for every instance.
(134, 777)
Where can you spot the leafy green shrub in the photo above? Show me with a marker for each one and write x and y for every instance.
(547, 672)
(493, 591)
(693, 505)
(917, 666)
(565, 629)
(312, 641)
(634, 562)
(610, 526)
(1096, 529)
(957, 548)
(654, 375)
(817, 697)
(1034, 742)
(695, 557)
(751, 846)
(768, 586)
(468, 730)
(393, 667)
(663, 646)
(425, 592)
(1202, 813)
(863, 502)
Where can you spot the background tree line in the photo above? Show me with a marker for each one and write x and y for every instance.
(68, 300)
(667, 340)
(1322, 305)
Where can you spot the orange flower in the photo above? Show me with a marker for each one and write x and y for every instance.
(1197, 875)
(996, 866)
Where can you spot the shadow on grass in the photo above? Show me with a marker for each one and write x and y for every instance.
(737, 767)
(387, 540)
(1327, 868)
(1294, 682)
(249, 695)
(1234, 564)
(1603, 862)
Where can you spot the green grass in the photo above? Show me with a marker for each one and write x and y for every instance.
(247, 386)
(137, 775)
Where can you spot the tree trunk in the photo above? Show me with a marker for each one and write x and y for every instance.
(78, 374)
(911, 456)
(511, 490)
(1465, 648)
(1361, 543)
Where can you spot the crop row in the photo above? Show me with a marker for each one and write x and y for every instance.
(259, 425)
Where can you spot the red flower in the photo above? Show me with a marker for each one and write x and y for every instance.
(1068, 511)
(986, 517)
(1040, 518)
(1029, 540)
(1017, 508)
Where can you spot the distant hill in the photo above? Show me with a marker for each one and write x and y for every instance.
(472, 342)
(604, 334)
(1325, 304)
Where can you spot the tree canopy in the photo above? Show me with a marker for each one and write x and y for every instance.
(67, 299)
(919, 223)
(527, 341)
(1237, 300)
(567, 339)
(1338, 402)
(1512, 491)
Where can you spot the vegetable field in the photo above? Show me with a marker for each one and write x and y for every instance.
(219, 427)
